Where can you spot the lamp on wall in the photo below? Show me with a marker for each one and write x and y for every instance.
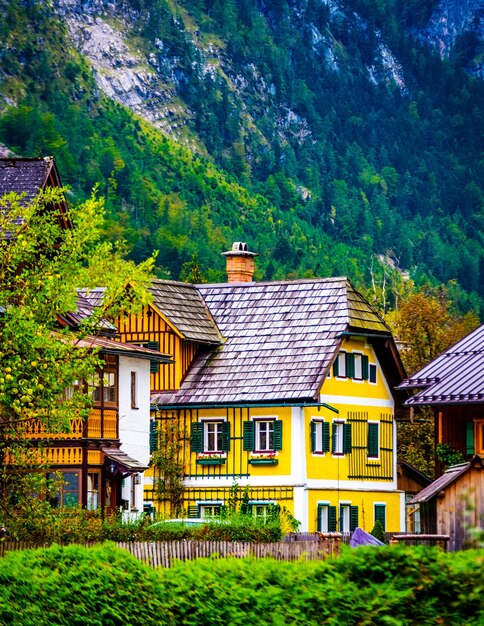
(136, 479)
(111, 468)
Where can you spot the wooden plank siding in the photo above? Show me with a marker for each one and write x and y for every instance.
(360, 466)
(461, 508)
(150, 326)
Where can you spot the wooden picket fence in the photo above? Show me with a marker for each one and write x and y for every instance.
(165, 553)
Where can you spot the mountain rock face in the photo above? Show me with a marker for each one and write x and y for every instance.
(100, 31)
(454, 19)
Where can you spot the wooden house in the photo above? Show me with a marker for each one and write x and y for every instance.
(453, 384)
(102, 458)
(284, 389)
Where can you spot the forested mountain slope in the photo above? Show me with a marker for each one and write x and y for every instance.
(323, 132)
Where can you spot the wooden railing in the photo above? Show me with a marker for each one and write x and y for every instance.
(97, 428)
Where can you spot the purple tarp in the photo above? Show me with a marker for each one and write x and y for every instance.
(362, 538)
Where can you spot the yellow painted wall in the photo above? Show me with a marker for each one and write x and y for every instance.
(364, 500)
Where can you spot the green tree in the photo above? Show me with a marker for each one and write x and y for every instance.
(41, 264)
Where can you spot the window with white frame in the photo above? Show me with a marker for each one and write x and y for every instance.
(339, 366)
(260, 510)
(326, 522)
(210, 509)
(212, 436)
(338, 437)
(348, 517)
(319, 436)
(358, 371)
(264, 435)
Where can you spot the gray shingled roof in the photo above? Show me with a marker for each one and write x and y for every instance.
(454, 377)
(441, 483)
(182, 305)
(21, 175)
(281, 339)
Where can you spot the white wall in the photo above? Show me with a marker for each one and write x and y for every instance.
(134, 423)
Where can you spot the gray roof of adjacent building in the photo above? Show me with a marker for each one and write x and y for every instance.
(25, 176)
(184, 308)
(280, 339)
(454, 377)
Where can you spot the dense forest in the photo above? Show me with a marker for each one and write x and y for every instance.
(309, 140)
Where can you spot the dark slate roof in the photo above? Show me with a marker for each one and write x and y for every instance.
(110, 346)
(21, 175)
(125, 462)
(85, 303)
(441, 483)
(454, 377)
(183, 307)
(281, 339)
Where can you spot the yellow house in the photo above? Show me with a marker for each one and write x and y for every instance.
(286, 389)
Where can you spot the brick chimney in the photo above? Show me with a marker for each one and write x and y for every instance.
(240, 263)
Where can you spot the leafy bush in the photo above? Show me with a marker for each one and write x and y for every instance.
(367, 586)
(378, 531)
(393, 586)
(76, 586)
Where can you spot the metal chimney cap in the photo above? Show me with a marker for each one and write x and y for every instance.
(239, 248)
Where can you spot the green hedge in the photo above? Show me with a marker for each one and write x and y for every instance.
(367, 587)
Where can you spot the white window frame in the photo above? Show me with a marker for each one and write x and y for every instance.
(323, 509)
(206, 424)
(257, 434)
(344, 516)
(204, 506)
(263, 505)
(338, 446)
(319, 435)
(358, 359)
(341, 364)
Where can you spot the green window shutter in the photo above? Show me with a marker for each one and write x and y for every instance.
(197, 437)
(225, 436)
(326, 437)
(350, 365)
(470, 438)
(193, 511)
(249, 433)
(331, 519)
(313, 436)
(153, 436)
(333, 449)
(353, 518)
(246, 508)
(364, 367)
(347, 438)
(318, 521)
(380, 514)
(154, 365)
(336, 367)
(372, 373)
(373, 447)
(278, 435)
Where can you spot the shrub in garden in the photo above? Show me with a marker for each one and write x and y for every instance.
(78, 586)
(103, 585)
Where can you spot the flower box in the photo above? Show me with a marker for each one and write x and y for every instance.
(267, 461)
(210, 461)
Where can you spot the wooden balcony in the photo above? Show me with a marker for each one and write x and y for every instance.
(97, 427)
